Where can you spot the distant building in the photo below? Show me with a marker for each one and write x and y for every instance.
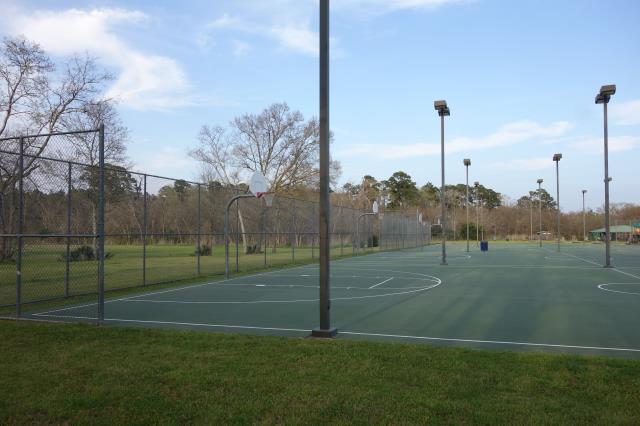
(618, 232)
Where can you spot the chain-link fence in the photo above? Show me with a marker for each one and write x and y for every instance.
(58, 207)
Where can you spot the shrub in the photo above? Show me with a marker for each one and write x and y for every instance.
(203, 250)
(84, 253)
(252, 249)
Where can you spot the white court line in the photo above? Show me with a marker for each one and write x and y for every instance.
(247, 327)
(602, 287)
(494, 342)
(355, 333)
(380, 283)
(594, 263)
(219, 282)
(175, 289)
(254, 302)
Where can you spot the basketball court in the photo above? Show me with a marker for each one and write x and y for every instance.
(516, 297)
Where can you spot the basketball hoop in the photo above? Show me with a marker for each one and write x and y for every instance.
(267, 197)
(260, 188)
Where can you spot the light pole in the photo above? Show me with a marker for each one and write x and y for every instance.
(603, 98)
(443, 111)
(467, 163)
(540, 211)
(324, 329)
(584, 219)
(557, 158)
(530, 218)
(476, 184)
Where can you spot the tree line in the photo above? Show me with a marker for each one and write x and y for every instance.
(491, 213)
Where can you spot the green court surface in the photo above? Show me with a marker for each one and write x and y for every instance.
(516, 296)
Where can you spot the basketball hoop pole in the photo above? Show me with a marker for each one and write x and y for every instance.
(226, 231)
(358, 226)
(324, 330)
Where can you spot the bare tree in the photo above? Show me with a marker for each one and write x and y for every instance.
(278, 142)
(35, 99)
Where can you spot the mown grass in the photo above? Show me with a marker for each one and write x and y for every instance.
(44, 268)
(81, 374)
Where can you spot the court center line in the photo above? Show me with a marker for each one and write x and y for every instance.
(380, 283)
(355, 333)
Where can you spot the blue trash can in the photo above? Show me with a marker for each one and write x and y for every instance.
(484, 245)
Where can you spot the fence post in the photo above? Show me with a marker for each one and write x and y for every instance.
(144, 231)
(264, 238)
(293, 239)
(237, 231)
(313, 234)
(20, 230)
(199, 231)
(67, 264)
(101, 228)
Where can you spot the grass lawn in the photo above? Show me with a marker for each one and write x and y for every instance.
(81, 374)
(43, 267)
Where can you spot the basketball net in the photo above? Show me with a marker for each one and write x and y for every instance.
(267, 197)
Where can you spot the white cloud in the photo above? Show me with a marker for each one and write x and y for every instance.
(144, 81)
(297, 38)
(293, 35)
(509, 134)
(616, 144)
(240, 48)
(384, 6)
(527, 164)
(625, 113)
(167, 160)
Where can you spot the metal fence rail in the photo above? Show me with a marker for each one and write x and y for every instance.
(72, 225)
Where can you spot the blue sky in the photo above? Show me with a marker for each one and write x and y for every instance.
(520, 78)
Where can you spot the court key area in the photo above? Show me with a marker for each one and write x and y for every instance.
(516, 296)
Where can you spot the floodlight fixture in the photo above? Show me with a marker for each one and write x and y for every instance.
(467, 162)
(557, 157)
(442, 108)
(608, 90)
(476, 184)
(605, 94)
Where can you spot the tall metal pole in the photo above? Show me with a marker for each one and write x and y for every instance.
(145, 230)
(584, 219)
(467, 205)
(540, 211)
(442, 197)
(530, 219)
(198, 242)
(558, 199)
(324, 330)
(101, 228)
(67, 271)
(20, 230)
(477, 215)
(607, 235)
(481, 224)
